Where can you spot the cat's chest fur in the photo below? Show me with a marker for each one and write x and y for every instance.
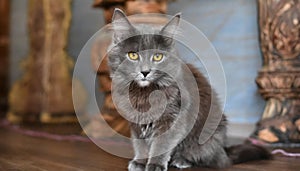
(145, 130)
(139, 98)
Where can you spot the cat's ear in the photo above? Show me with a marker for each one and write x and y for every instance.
(171, 27)
(119, 15)
(121, 25)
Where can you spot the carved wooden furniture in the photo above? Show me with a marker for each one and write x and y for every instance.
(44, 93)
(279, 78)
(108, 110)
(4, 53)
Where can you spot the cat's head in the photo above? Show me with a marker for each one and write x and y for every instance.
(143, 53)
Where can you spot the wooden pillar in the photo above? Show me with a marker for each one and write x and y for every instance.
(130, 7)
(279, 78)
(4, 53)
(44, 93)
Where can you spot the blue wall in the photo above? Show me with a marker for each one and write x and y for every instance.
(231, 26)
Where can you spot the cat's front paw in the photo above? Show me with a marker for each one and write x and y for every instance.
(181, 163)
(135, 166)
(155, 167)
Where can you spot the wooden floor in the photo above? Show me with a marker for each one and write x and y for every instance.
(25, 153)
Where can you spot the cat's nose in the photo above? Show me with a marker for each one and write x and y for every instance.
(145, 73)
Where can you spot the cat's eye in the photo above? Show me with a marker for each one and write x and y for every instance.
(158, 57)
(133, 55)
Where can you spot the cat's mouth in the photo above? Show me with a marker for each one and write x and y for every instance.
(143, 82)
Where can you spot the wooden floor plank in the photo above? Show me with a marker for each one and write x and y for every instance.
(22, 152)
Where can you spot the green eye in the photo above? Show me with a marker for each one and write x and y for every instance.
(133, 55)
(158, 57)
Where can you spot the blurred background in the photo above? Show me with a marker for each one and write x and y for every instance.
(232, 29)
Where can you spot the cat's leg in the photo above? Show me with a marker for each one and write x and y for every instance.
(141, 150)
(160, 153)
(217, 159)
(211, 154)
(158, 163)
(162, 146)
(177, 160)
(220, 160)
(216, 156)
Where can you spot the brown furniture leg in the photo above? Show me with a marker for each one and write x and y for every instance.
(44, 93)
(279, 79)
(4, 54)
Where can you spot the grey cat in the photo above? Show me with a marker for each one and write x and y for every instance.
(167, 133)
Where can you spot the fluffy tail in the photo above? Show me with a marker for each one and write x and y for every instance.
(247, 152)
